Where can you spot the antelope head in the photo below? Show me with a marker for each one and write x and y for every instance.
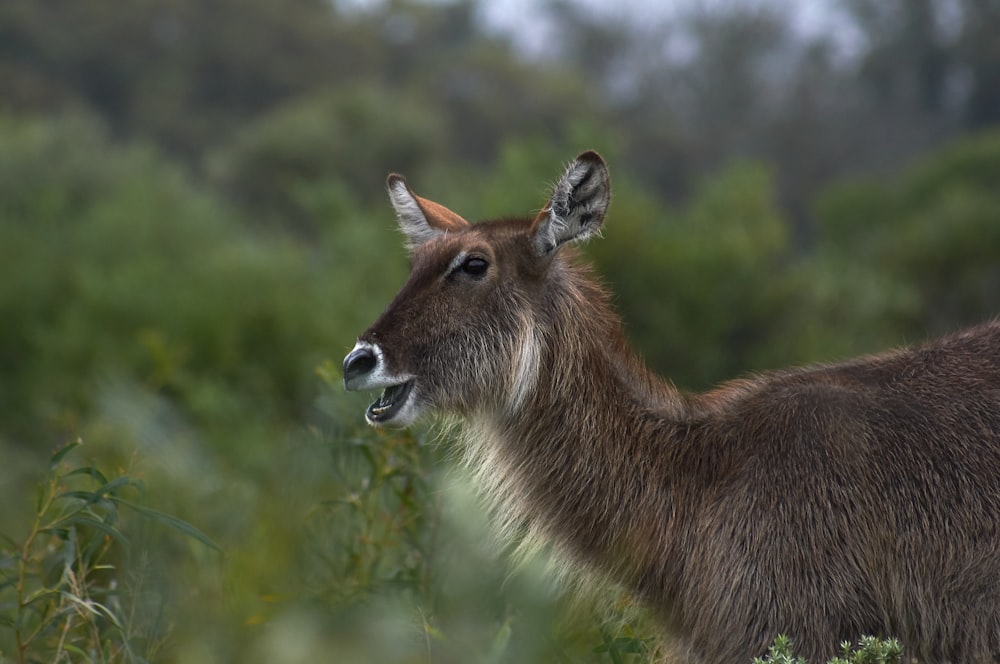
(467, 332)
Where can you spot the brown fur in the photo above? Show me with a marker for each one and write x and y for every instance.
(824, 503)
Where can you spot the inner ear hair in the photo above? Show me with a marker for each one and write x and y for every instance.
(420, 219)
(578, 205)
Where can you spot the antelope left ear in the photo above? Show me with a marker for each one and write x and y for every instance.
(578, 205)
(420, 219)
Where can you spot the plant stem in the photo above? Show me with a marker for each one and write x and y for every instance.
(22, 568)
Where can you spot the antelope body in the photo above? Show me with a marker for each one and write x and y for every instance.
(823, 503)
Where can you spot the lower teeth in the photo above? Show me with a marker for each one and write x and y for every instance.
(383, 404)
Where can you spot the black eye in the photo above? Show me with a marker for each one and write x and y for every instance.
(475, 266)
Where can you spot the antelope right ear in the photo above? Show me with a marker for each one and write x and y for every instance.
(578, 205)
(420, 219)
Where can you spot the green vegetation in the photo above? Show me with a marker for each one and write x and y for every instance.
(203, 355)
(869, 650)
(70, 588)
(193, 230)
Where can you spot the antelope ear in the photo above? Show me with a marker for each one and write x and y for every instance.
(420, 219)
(577, 207)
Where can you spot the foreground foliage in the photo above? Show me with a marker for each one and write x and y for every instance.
(71, 588)
(869, 650)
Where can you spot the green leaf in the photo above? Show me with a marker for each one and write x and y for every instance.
(501, 641)
(90, 471)
(93, 608)
(77, 494)
(610, 647)
(63, 451)
(41, 593)
(173, 522)
(81, 519)
(84, 656)
(92, 497)
(110, 487)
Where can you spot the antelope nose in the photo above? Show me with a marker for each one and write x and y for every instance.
(359, 363)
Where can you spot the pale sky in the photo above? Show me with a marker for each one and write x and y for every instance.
(521, 18)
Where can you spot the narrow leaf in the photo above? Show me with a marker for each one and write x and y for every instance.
(114, 533)
(90, 471)
(63, 451)
(173, 522)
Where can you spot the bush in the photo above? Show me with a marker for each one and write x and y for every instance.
(869, 650)
(72, 587)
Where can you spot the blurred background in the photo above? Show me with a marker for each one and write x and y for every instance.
(193, 230)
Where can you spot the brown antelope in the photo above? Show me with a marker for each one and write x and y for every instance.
(823, 503)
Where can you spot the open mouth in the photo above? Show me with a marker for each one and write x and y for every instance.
(388, 405)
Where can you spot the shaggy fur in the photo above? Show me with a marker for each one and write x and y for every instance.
(824, 502)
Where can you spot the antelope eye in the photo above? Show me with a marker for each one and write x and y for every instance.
(475, 266)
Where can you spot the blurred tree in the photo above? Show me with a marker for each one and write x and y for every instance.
(906, 60)
(933, 62)
(722, 82)
(120, 268)
(978, 54)
(337, 142)
(934, 232)
(180, 70)
(190, 73)
(701, 290)
(485, 91)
